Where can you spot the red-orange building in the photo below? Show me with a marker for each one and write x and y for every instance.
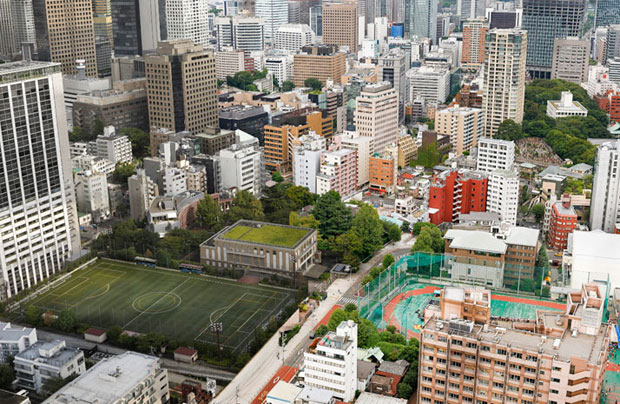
(610, 103)
(457, 192)
(382, 173)
(562, 222)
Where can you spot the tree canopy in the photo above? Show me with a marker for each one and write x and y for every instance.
(245, 206)
(313, 83)
(333, 216)
(209, 214)
(287, 85)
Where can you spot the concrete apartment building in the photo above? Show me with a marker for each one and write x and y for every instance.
(338, 172)
(118, 378)
(36, 187)
(234, 247)
(522, 245)
(558, 358)
(91, 190)
(504, 77)
(44, 361)
(330, 363)
(383, 171)
(605, 203)
(292, 37)
(463, 125)
(503, 195)
(248, 118)
(562, 222)
(228, 62)
(114, 147)
(142, 191)
(340, 25)
(181, 87)
(407, 149)
(242, 165)
(307, 160)
(474, 40)
(376, 114)
(495, 154)
(15, 339)
(121, 109)
(321, 62)
(364, 147)
(65, 33)
(571, 59)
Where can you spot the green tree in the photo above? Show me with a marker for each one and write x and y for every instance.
(333, 216)
(245, 207)
(66, 321)
(509, 130)
(392, 231)
(417, 227)
(33, 315)
(123, 171)
(299, 196)
(140, 141)
(209, 214)
(6, 376)
(367, 335)
(349, 307)
(430, 240)
(321, 330)
(76, 135)
(367, 226)
(150, 341)
(277, 177)
(387, 260)
(303, 221)
(114, 333)
(313, 83)
(337, 317)
(287, 86)
(98, 128)
(429, 156)
(539, 211)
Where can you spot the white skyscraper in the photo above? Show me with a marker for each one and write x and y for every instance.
(187, 19)
(605, 205)
(274, 13)
(38, 217)
(423, 18)
(503, 195)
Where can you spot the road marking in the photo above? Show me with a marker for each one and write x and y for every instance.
(155, 302)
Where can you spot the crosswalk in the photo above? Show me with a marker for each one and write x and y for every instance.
(346, 300)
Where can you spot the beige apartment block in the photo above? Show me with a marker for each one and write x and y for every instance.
(571, 59)
(181, 87)
(340, 25)
(376, 114)
(463, 125)
(229, 62)
(504, 77)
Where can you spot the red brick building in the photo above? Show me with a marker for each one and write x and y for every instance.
(610, 103)
(562, 222)
(457, 192)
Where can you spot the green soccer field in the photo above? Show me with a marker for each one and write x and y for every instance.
(172, 303)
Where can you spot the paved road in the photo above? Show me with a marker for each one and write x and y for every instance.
(257, 373)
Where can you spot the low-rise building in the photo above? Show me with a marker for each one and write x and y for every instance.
(44, 361)
(130, 377)
(364, 146)
(242, 165)
(248, 118)
(15, 339)
(95, 164)
(215, 139)
(565, 107)
(336, 350)
(592, 256)
(261, 246)
(228, 62)
(562, 222)
(142, 191)
(91, 191)
(113, 147)
(173, 212)
(185, 354)
(307, 160)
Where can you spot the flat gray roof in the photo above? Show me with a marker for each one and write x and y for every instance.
(9, 332)
(523, 236)
(475, 240)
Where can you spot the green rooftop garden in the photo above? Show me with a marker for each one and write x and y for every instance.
(267, 234)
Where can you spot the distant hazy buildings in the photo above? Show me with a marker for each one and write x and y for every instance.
(607, 13)
(423, 18)
(274, 13)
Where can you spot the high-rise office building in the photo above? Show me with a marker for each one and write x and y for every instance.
(65, 33)
(423, 19)
(571, 58)
(294, 12)
(187, 19)
(37, 202)
(376, 114)
(8, 45)
(23, 22)
(321, 62)
(605, 205)
(274, 13)
(102, 20)
(607, 13)
(612, 44)
(137, 25)
(240, 33)
(545, 20)
(340, 25)
(504, 77)
(392, 68)
(181, 87)
(474, 37)
(316, 20)
(467, 9)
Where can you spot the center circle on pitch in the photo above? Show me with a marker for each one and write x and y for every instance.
(156, 302)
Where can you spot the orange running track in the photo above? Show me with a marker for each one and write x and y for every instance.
(285, 373)
(389, 308)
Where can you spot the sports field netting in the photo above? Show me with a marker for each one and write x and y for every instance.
(172, 303)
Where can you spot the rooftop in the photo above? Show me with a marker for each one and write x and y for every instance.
(523, 236)
(371, 398)
(559, 207)
(398, 367)
(24, 69)
(53, 353)
(475, 240)
(583, 346)
(108, 381)
(315, 395)
(10, 332)
(284, 391)
(266, 233)
(596, 244)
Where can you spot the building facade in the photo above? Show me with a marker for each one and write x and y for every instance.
(495, 154)
(453, 193)
(338, 172)
(607, 13)
(187, 19)
(37, 201)
(15, 339)
(321, 62)
(571, 59)
(376, 115)
(340, 25)
(274, 13)
(463, 125)
(430, 83)
(504, 77)
(562, 222)
(292, 37)
(474, 38)
(605, 204)
(503, 195)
